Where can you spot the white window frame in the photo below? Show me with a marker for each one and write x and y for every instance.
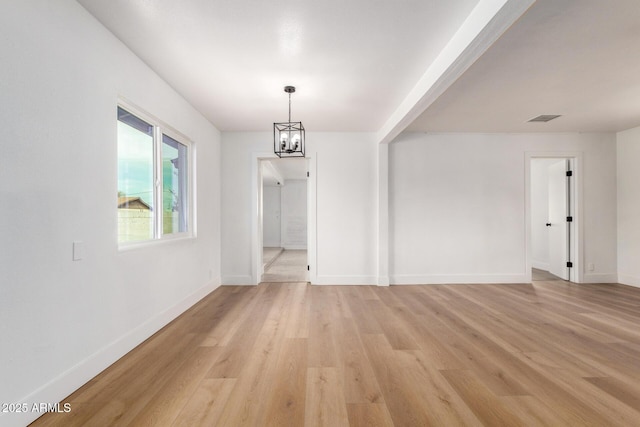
(161, 128)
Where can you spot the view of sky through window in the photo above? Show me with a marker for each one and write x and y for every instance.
(135, 163)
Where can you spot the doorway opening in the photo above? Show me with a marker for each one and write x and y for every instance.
(283, 228)
(553, 218)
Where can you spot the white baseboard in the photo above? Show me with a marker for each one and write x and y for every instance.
(629, 280)
(418, 280)
(345, 280)
(440, 279)
(237, 280)
(72, 379)
(295, 248)
(383, 281)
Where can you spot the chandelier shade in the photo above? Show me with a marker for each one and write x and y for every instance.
(288, 137)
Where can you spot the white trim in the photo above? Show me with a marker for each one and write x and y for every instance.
(130, 246)
(442, 279)
(295, 248)
(576, 243)
(152, 119)
(312, 215)
(72, 379)
(382, 235)
(256, 216)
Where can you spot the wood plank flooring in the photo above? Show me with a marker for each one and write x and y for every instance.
(269, 255)
(289, 354)
(290, 265)
(542, 275)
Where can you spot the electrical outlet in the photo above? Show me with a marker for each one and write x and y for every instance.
(591, 266)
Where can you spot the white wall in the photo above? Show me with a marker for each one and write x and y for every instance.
(294, 214)
(272, 221)
(62, 321)
(346, 193)
(628, 144)
(540, 212)
(457, 205)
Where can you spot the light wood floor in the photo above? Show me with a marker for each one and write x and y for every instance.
(551, 353)
(269, 255)
(538, 275)
(288, 266)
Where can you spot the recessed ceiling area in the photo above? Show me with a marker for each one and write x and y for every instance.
(576, 58)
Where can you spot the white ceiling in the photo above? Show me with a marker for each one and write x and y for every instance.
(356, 64)
(577, 58)
(352, 62)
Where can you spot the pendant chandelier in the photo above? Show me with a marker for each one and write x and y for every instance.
(288, 138)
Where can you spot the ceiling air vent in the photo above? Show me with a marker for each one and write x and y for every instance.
(544, 118)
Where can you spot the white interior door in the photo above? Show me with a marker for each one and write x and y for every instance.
(558, 203)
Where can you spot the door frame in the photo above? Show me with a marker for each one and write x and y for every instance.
(257, 215)
(576, 243)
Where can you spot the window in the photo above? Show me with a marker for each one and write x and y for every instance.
(174, 185)
(153, 180)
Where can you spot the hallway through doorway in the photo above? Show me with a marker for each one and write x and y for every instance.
(538, 275)
(284, 265)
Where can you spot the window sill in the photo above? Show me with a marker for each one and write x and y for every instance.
(131, 246)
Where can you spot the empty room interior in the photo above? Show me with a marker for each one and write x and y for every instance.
(301, 213)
